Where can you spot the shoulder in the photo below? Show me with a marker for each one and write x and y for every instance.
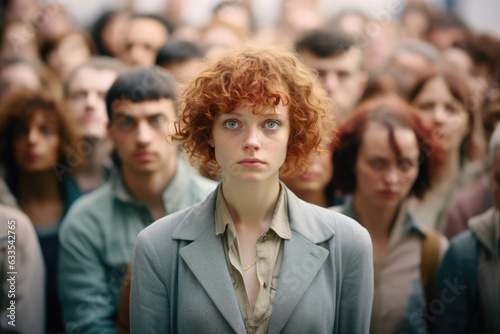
(463, 248)
(89, 207)
(316, 223)
(199, 185)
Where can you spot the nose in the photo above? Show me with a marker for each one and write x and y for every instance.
(439, 114)
(331, 82)
(33, 135)
(92, 99)
(251, 141)
(144, 133)
(392, 177)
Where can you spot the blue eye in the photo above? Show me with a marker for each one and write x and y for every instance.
(231, 124)
(271, 125)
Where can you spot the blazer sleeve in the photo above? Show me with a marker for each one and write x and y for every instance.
(149, 299)
(356, 296)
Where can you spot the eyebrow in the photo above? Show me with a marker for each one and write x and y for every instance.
(127, 116)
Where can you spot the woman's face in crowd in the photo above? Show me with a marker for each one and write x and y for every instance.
(249, 147)
(36, 144)
(71, 52)
(382, 176)
(442, 111)
(316, 179)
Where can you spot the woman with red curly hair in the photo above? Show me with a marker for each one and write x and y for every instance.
(252, 257)
(386, 154)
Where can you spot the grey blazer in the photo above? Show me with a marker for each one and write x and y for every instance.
(181, 282)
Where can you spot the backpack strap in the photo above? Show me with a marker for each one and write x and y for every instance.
(429, 262)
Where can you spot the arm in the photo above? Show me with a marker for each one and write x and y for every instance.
(356, 296)
(149, 299)
(30, 278)
(86, 296)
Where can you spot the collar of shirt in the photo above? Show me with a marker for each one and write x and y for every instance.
(404, 224)
(279, 222)
(171, 195)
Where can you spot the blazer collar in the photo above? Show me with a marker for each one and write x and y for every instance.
(303, 219)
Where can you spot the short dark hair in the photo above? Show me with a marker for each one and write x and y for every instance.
(141, 84)
(98, 63)
(175, 50)
(325, 42)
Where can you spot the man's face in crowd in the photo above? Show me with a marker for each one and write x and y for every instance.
(144, 38)
(341, 76)
(86, 93)
(138, 133)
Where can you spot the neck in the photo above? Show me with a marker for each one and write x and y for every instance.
(148, 188)
(251, 204)
(316, 197)
(450, 169)
(39, 187)
(378, 220)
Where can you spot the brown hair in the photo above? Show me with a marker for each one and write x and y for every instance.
(392, 112)
(263, 76)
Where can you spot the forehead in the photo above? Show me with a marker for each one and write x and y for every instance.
(246, 108)
(92, 78)
(376, 140)
(436, 89)
(351, 59)
(146, 29)
(38, 117)
(145, 108)
(20, 73)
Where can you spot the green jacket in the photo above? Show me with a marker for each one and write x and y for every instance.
(97, 239)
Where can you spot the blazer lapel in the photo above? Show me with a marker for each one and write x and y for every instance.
(302, 260)
(205, 258)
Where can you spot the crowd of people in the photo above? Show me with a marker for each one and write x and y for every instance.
(317, 176)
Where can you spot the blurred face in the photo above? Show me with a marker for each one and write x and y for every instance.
(143, 40)
(71, 52)
(18, 75)
(248, 147)
(381, 176)
(316, 179)
(138, 133)
(86, 93)
(36, 145)
(495, 178)
(341, 76)
(444, 112)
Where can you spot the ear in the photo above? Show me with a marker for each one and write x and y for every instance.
(109, 131)
(211, 142)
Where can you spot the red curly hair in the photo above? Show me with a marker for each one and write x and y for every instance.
(264, 76)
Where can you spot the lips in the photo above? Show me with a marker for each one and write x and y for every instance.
(144, 155)
(308, 176)
(251, 163)
(387, 193)
(32, 156)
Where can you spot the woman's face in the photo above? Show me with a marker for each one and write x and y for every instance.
(316, 179)
(71, 52)
(444, 113)
(36, 145)
(248, 147)
(383, 177)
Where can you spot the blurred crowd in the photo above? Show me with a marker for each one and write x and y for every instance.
(85, 166)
